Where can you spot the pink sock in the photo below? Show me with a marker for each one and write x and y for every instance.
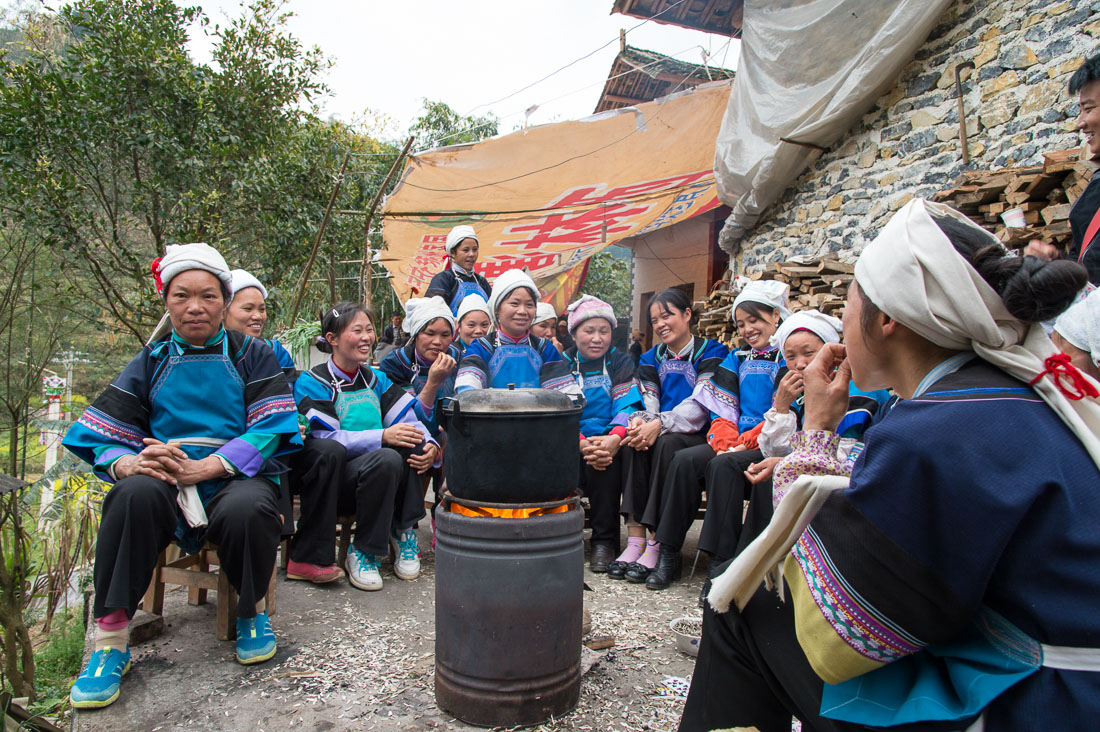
(634, 547)
(649, 556)
(114, 620)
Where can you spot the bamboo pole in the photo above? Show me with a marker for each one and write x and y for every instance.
(304, 281)
(364, 280)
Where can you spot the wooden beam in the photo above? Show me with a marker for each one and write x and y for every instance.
(624, 100)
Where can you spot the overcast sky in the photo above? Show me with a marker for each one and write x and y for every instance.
(472, 54)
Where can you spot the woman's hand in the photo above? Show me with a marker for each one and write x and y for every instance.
(761, 471)
(193, 472)
(441, 368)
(402, 435)
(156, 459)
(600, 451)
(790, 388)
(422, 463)
(645, 434)
(826, 382)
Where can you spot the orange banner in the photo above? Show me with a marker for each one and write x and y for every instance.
(548, 198)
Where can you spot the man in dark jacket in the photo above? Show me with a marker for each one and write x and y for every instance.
(1084, 217)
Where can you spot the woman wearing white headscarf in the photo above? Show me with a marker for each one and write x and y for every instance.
(948, 579)
(425, 366)
(1077, 334)
(473, 321)
(247, 313)
(511, 354)
(191, 433)
(459, 280)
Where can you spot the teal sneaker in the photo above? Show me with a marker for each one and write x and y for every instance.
(255, 639)
(99, 682)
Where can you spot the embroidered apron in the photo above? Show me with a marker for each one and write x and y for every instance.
(514, 363)
(197, 401)
(358, 410)
(465, 287)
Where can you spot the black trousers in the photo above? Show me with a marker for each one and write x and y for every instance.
(385, 495)
(644, 472)
(751, 671)
(604, 491)
(139, 519)
(727, 490)
(317, 471)
(681, 494)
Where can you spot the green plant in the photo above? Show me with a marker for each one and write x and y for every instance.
(57, 664)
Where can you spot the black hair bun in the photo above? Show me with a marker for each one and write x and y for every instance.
(322, 345)
(1040, 290)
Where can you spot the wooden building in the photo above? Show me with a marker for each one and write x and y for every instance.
(685, 255)
(711, 16)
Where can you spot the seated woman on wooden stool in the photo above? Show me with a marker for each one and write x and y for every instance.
(948, 579)
(188, 433)
(605, 376)
(511, 354)
(736, 398)
(670, 374)
(370, 446)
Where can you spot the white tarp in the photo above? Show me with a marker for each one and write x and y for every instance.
(809, 70)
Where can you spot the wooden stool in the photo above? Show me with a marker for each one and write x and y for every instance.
(193, 571)
(345, 524)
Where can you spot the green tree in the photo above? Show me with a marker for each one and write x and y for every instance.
(609, 279)
(440, 125)
(122, 145)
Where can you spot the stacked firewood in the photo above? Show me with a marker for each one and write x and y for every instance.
(1044, 192)
(820, 284)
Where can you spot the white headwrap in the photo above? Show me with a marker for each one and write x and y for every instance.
(459, 234)
(507, 282)
(182, 257)
(771, 293)
(472, 303)
(419, 311)
(825, 327)
(912, 273)
(545, 311)
(1080, 325)
(242, 279)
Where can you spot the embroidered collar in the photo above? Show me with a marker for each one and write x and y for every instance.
(467, 273)
(949, 366)
(503, 339)
(339, 373)
(213, 341)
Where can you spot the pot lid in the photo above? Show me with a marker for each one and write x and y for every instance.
(476, 401)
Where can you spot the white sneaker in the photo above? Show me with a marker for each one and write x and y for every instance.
(406, 556)
(363, 570)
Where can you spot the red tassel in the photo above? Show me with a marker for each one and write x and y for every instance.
(1067, 378)
(155, 269)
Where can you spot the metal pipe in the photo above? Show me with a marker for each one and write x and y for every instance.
(962, 109)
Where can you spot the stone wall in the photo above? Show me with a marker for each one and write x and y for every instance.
(1017, 107)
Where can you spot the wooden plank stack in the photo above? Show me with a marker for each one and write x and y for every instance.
(1045, 193)
(820, 284)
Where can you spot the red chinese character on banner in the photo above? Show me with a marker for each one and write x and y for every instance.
(587, 227)
(586, 195)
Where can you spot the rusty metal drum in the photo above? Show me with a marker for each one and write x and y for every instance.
(508, 615)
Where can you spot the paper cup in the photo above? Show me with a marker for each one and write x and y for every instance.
(1014, 218)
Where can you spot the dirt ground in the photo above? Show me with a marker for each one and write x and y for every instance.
(352, 660)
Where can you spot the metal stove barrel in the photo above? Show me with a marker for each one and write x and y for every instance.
(508, 614)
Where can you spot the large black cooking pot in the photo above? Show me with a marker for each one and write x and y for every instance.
(512, 445)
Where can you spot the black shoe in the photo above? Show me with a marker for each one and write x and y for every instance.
(669, 568)
(602, 555)
(637, 573)
(616, 570)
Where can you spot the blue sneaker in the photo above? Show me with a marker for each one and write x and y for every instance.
(255, 639)
(99, 682)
